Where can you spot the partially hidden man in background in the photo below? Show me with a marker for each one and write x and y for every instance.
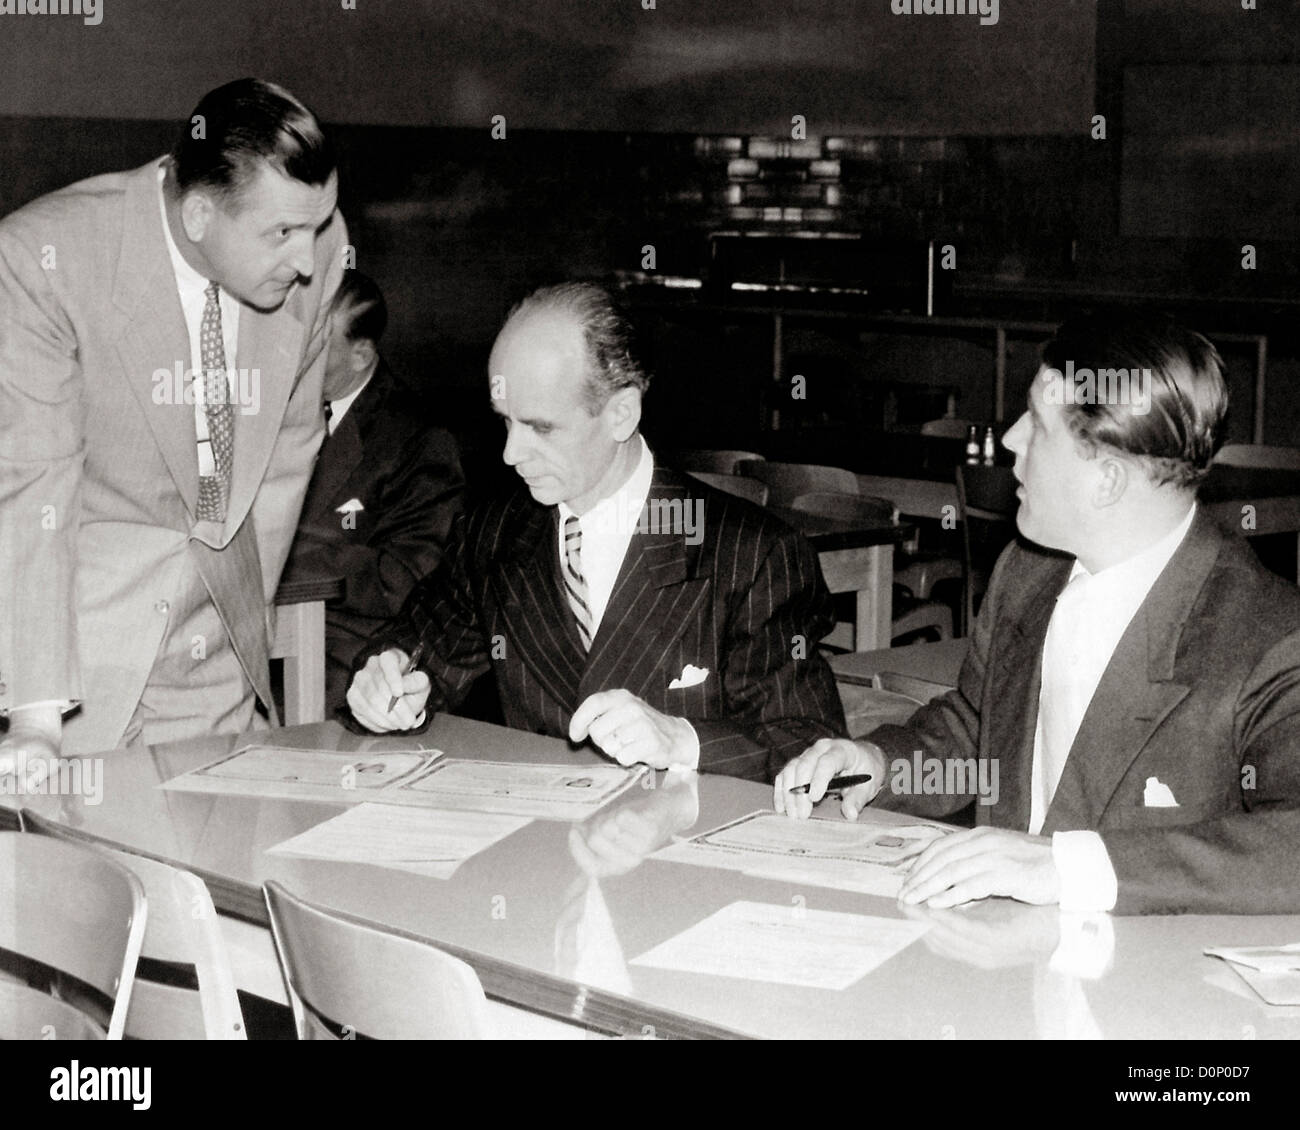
(162, 337)
(1141, 686)
(386, 488)
(615, 600)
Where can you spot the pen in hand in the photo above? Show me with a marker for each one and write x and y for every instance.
(836, 783)
(416, 656)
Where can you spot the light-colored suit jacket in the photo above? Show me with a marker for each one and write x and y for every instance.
(98, 463)
(1202, 693)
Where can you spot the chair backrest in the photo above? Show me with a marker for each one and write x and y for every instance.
(715, 462)
(73, 910)
(985, 495)
(923, 690)
(347, 978)
(947, 427)
(182, 930)
(850, 507)
(1259, 455)
(740, 485)
(787, 481)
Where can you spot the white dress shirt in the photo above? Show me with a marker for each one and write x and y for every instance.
(607, 530)
(1092, 612)
(191, 286)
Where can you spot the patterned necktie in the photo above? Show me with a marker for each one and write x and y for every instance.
(575, 586)
(214, 489)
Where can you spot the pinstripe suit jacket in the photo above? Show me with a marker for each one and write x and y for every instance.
(748, 603)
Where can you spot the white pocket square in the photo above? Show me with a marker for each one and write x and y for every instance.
(1158, 795)
(352, 505)
(691, 676)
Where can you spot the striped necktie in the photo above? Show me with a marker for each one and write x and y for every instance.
(575, 586)
(214, 489)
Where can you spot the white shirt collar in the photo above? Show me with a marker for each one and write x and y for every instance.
(339, 408)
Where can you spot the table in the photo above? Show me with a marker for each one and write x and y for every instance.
(856, 556)
(520, 914)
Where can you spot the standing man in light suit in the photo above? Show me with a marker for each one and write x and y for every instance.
(689, 642)
(162, 339)
(1140, 687)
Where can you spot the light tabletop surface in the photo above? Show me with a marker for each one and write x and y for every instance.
(547, 934)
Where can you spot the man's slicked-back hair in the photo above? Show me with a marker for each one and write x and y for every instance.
(360, 303)
(1177, 434)
(241, 125)
(606, 333)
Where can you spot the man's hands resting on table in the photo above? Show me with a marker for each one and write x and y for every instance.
(619, 724)
(967, 865)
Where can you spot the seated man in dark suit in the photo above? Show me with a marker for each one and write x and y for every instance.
(384, 492)
(617, 601)
(1136, 692)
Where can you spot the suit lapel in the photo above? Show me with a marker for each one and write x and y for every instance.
(1138, 689)
(153, 338)
(338, 459)
(653, 600)
(535, 615)
(1011, 694)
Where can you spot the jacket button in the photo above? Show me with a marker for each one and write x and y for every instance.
(162, 607)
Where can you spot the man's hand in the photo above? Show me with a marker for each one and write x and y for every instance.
(375, 686)
(980, 863)
(34, 739)
(632, 732)
(824, 759)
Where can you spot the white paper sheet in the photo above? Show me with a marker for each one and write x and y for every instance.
(863, 857)
(554, 792)
(425, 841)
(786, 945)
(1272, 971)
(421, 777)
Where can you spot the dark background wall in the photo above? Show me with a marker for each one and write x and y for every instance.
(979, 137)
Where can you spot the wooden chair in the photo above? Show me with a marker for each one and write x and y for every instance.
(347, 978)
(740, 485)
(1259, 455)
(714, 462)
(787, 481)
(183, 931)
(853, 507)
(71, 910)
(984, 495)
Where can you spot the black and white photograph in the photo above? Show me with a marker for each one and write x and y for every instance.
(571, 520)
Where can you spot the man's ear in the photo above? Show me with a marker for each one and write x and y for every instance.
(623, 410)
(197, 209)
(361, 355)
(1114, 481)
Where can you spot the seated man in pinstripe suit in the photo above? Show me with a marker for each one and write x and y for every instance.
(617, 602)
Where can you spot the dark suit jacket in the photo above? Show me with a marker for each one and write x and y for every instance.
(407, 477)
(1203, 692)
(748, 603)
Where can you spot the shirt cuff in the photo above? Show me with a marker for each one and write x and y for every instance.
(692, 760)
(64, 705)
(1088, 880)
